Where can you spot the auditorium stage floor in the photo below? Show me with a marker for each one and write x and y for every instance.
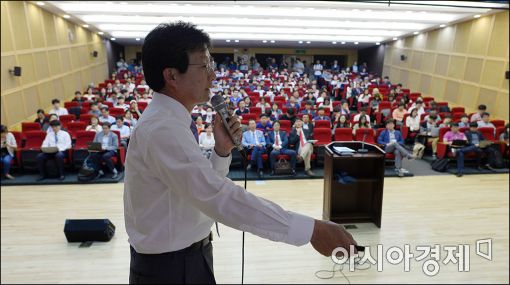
(424, 210)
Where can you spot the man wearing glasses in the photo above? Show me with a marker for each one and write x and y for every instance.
(173, 194)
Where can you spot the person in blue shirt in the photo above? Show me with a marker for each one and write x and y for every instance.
(254, 143)
(321, 115)
(264, 125)
(278, 142)
(392, 141)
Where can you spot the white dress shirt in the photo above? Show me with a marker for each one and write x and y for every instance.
(173, 194)
(124, 130)
(60, 111)
(63, 140)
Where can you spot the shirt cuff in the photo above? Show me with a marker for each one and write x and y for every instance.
(220, 164)
(300, 229)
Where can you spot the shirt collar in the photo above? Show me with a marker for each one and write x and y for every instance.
(170, 104)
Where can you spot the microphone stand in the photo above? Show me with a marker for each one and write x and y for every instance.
(362, 149)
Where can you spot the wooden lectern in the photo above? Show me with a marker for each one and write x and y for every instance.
(359, 201)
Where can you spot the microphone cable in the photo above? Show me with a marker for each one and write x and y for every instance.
(245, 166)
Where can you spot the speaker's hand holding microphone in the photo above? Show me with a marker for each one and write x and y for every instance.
(227, 129)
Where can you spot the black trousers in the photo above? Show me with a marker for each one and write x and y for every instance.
(191, 265)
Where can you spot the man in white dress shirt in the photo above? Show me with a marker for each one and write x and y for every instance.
(62, 140)
(173, 194)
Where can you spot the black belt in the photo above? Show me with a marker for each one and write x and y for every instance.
(198, 245)
(195, 246)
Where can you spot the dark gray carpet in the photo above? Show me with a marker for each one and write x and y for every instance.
(70, 178)
(238, 174)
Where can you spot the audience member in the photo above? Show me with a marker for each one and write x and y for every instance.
(41, 118)
(242, 109)
(57, 109)
(94, 110)
(459, 152)
(94, 125)
(485, 122)
(128, 118)
(57, 138)
(206, 140)
(392, 142)
(7, 153)
(398, 114)
(124, 130)
(464, 121)
(109, 144)
(105, 116)
(363, 113)
(299, 138)
(321, 116)
(362, 123)
(278, 143)
(265, 124)
(289, 116)
(478, 115)
(254, 143)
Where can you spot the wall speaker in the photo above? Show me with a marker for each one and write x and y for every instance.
(403, 57)
(94, 53)
(88, 230)
(507, 75)
(16, 71)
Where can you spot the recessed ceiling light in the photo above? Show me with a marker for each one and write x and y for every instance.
(264, 41)
(300, 42)
(477, 16)
(40, 3)
(415, 33)
(308, 42)
(137, 39)
(343, 43)
(377, 43)
(227, 41)
(442, 25)
(395, 39)
(236, 41)
(100, 33)
(66, 16)
(85, 26)
(356, 43)
(334, 43)
(112, 39)
(272, 41)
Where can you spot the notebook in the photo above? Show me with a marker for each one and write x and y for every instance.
(49, 149)
(95, 146)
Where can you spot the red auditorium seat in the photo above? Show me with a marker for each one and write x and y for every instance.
(66, 119)
(30, 126)
(458, 110)
(488, 133)
(33, 142)
(285, 125)
(142, 105)
(322, 124)
(114, 112)
(86, 118)
(498, 123)
(256, 110)
(367, 133)
(343, 134)
(80, 149)
(74, 127)
(322, 135)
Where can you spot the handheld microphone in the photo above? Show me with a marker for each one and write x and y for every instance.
(219, 105)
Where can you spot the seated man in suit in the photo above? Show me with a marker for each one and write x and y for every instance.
(62, 140)
(277, 140)
(255, 142)
(109, 143)
(392, 141)
(321, 115)
(299, 140)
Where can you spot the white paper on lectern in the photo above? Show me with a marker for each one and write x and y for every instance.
(343, 149)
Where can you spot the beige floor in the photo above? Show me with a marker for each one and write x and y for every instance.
(424, 210)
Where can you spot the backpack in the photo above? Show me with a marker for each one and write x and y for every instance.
(440, 165)
(88, 171)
